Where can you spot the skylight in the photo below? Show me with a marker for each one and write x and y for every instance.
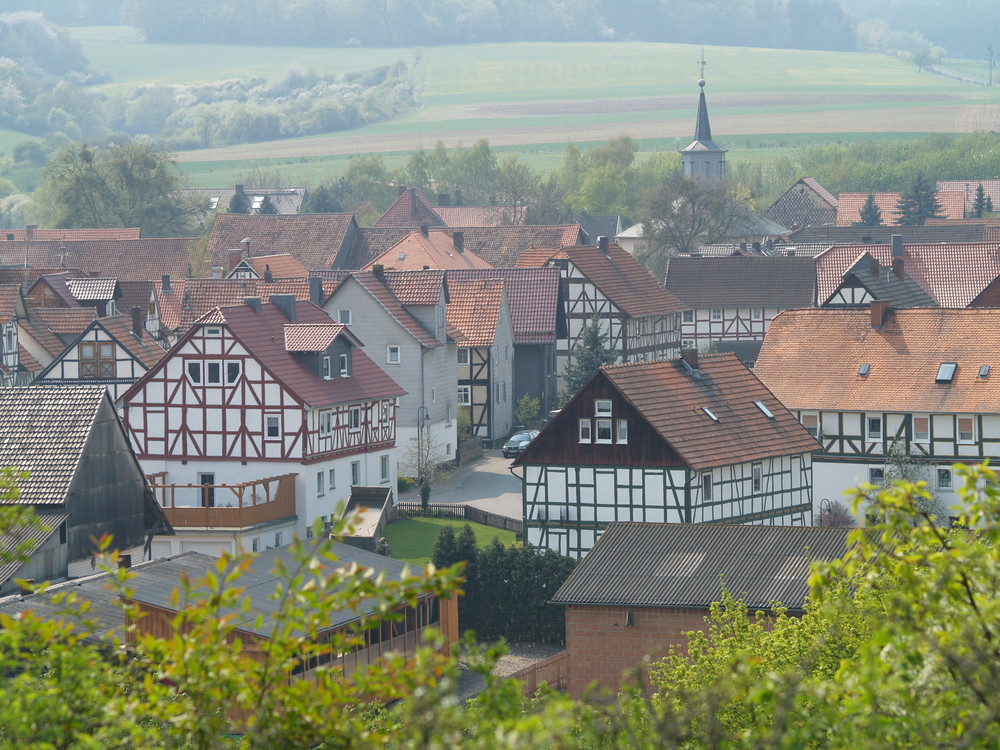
(401, 256)
(767, 412)
(710, 413)
(984, 371)
(946, 372)
(863, 370)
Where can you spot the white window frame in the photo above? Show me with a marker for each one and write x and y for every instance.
(717, 314)
(757, 313)
(756, 477)
(465, 395)
(383, 463)
(213, 331)
(585, 431)
(354, 419)
(969, 435)
(344, 366)
(870, 436)
(603, 425)
(603, 407)
(876, 475)
(385, 411)
(344, 316)
(622, 431)
(332, 479)
(355, 473)
(325, 423)
(326, 367)
(230, 378)
(926, 438)
(270, 419)
(687, 316)
(196, 376)
(393, 354)
(706, 487)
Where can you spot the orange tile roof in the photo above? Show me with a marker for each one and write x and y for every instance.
(991, 189)
(532, 296)
(536, 257)
(810, 360)
(311, 337)
(410, 210)
(64, 320)
(10, 294)
(475, 308)
(36, 329)
(502, 246)
(126, 260)
(60, 235)
(953, 274)
(282, 266)
(27, 361)
(417, 287)
(849, 206)
(672, 402)
(315, 240)
(189, 299)
(436, 250)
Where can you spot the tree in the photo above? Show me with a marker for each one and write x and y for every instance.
(239, 203)
(871, 214)
(528, 409)
(683, 214)
(979, 206)
(267, 206)
(919, 203)
(129, 184)
(588, 355)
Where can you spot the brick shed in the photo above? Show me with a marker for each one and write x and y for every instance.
(643, 585)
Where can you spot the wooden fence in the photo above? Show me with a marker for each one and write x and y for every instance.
(552, 671)
(476, 515)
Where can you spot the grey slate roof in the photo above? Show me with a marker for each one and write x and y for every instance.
(599, 226)
(259, 585)
(885, 285)
(679, 565)
(742, 281)
(43, 430)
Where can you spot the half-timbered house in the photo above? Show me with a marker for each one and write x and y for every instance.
(691, 440)
(82, 479)
(259, 421)
(479, 311)
(114, 351)
(864, 381)
(640, 318)
(732, 300)
(12, 309)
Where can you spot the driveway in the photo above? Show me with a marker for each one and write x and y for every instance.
(484, 483)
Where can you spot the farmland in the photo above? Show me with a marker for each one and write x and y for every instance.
(533, 98)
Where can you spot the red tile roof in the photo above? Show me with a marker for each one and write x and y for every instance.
(849, 206)
(27, 361)
(311, 337)
(189, 299)
(418, 288)
(10, 296)
(474, 310)
(36, 329)
(742, 282)
(536, 257)
(953, 274)
(436, 250)
(533, 298)
(410, 210)
(126, 260)
(62, 235)
(315, 240)
(501, 246)
(64, 320)
(262, 335)
(821, 191)
(991, 189)
(810, 360)
(384, 296)
(135, 294)
(672, 401)
(481, 216)
(281, 266)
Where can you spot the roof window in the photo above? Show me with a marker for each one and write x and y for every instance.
(946, 372)
(984, 371)
(710, 413)
(401, 256)
(863, 370)
(767, 412)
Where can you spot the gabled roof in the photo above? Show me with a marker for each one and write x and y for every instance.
(810, 360)
(21, 542)
(609, 226)
(821, 191)
(262, 334)
(533, 298)
(684, 565)
(434, 250)
(742, 282)
(59, 284)
(369, 243)
(281, 266)
(420, 288)
(378, 289)
(619, 276)
(36, 328)
(64, 321)
(126, 260)
(143, 347)
(671, 400)
(99, 288)
(71, 235)
(953, 274)
(410, 210)
(189, 299)
(991, 189)
(474, 309)
(849, 206)
(884, 284)
(315, 240)
(43, 431)
(481, 216)
(11, 303)
(501, 246)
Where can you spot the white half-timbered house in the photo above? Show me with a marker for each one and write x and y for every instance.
(260, 420)
(732, 300)
(114, 351)
(692, 440)
(12, 310)
(864, 381)
(640, 317)
(478, 310)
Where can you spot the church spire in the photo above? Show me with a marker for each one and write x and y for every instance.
(703, 158)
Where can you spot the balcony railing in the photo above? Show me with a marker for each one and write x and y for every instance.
(228, 506)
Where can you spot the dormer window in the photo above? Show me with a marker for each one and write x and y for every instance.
(946, 372)
(345, 365)
(326, 367)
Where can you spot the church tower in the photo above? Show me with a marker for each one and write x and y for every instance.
(704, 159)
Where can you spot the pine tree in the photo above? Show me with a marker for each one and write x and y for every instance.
(918, 204)
(267, 206)
(239, 204)
(589, 354)
(871, 214)
(444, 553)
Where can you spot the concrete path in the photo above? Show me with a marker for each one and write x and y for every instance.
(484, 483)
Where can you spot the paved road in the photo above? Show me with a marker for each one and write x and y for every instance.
(485, 483)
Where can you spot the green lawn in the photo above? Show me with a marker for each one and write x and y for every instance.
(412, 539)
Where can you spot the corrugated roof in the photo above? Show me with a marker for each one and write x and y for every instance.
(31, 537)
(684, 565)
(315, 240)
(474, 309)
(742, 281)
(533, 298)
(43, 431)
(436, 250)
(810, 360)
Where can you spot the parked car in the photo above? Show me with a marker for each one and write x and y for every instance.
(518, 442)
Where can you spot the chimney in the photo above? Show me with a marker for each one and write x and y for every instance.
(602, 245)
(425, 229)
(898, 255)
(268, 276)
(239, 189)
(876, 268)
(378, 270)
(29, 232)
(459, 239)
(254, 304)
(165, 283)
(216, 272)
(285, 303)
(316, 290)
(235, 256)
(246, 242)
(402, 189)
(879, 310)
(137, 321)
(690, 356)
(444, 200)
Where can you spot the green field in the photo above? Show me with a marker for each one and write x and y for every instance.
(412, 539)
(534, 98)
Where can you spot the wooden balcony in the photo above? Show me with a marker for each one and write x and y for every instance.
(225, 506)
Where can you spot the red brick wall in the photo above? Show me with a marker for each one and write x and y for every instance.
(602, 646)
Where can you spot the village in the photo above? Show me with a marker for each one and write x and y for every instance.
(321, 370)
